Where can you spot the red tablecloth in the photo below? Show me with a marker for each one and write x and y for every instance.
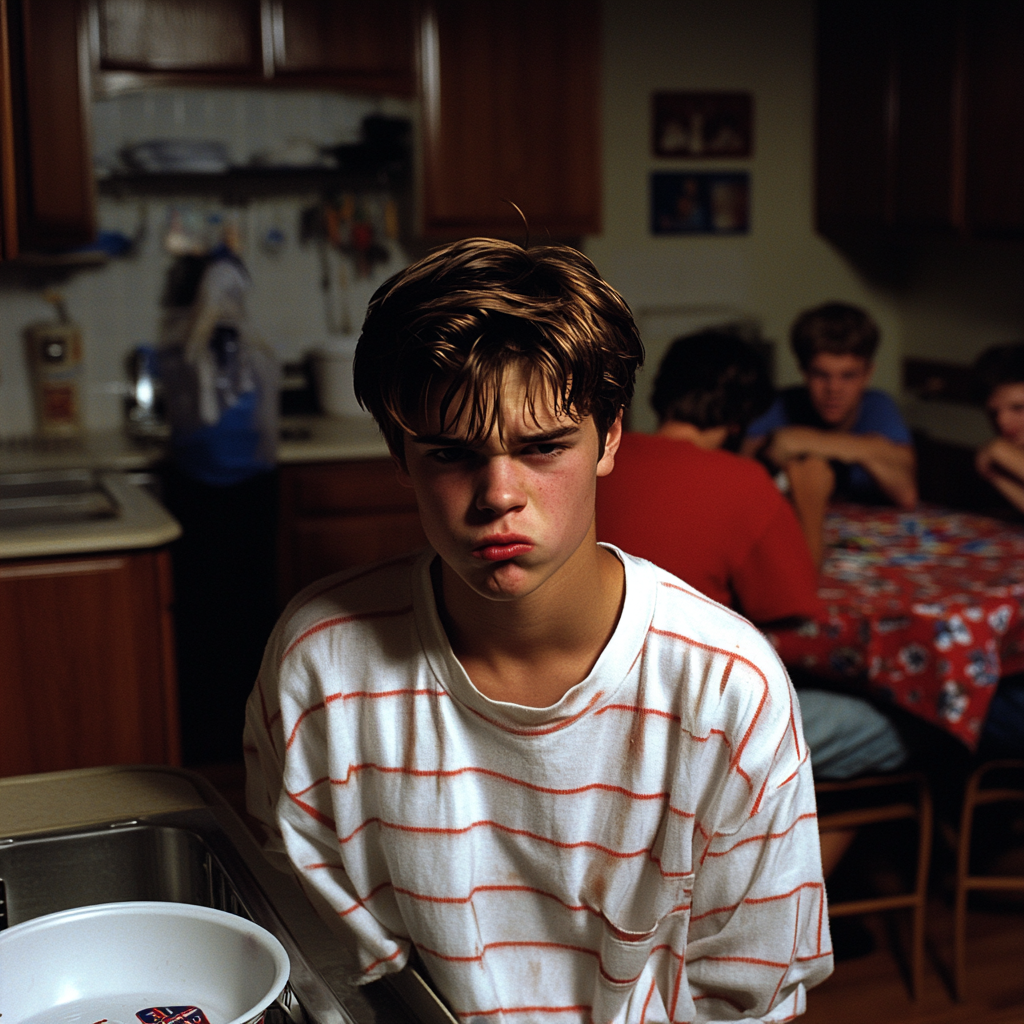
(928, 606)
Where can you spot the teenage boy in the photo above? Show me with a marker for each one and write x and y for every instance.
(836, 416)
(574, 785)
(715, 519)
(999, 372)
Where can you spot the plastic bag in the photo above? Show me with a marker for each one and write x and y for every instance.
(221, 383)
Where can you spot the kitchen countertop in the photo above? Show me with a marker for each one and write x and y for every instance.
(303, 439)
(141, 522)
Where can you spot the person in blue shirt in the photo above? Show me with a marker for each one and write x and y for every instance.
(835, 415)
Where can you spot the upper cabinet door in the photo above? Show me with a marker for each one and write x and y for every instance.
(180, 36)
(338, 44)
(511, 93)
(48, 198)
(995, 119)
(920, 119)
(369, 45)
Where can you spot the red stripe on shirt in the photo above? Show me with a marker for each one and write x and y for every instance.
(735, 762)
(357, 695)
(523, 1009)
(383, 960)
(522, 944)
(742, 960)
(792, 952)
(341, 620)
(647, 1001)
(764, 836)
(434, 831)
(472, 769)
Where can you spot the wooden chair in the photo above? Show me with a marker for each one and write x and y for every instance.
(871, 800)
(980, 792)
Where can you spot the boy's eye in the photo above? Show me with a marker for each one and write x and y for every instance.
(551, 449)
(446, 456)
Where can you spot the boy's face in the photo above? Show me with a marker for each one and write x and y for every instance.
(1006, 407)
(837, 384)
(506, 514)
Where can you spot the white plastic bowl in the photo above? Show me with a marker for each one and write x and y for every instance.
(112, 961)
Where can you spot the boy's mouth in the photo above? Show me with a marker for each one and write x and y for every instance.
(500, 549)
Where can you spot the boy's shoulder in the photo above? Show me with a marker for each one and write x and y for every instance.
(682, 612)
(364, 593)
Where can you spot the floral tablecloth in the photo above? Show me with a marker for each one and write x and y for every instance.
(927, 605)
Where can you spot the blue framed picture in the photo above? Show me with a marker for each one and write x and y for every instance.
(700, 202)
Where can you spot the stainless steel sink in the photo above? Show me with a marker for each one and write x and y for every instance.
(55, 496)
(188, 857)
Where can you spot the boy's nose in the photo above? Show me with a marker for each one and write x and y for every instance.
(499, 488)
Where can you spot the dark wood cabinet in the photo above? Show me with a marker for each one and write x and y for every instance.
(336, 515)
(46, 180)
(180, 36)
(920, 121)
(344, 44)
(510, 91)
(87, 663)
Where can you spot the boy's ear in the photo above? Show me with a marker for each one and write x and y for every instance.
(611, 445)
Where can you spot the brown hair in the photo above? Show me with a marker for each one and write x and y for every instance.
(835, 328)
(998, 365)
(714, 378)
(450, 326)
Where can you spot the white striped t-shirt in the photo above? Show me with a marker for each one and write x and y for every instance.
(645, 850)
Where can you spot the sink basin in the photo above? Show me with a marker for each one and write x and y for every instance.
(190, 857)
(57, 496)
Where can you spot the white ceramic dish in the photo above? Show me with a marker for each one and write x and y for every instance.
(139, 963)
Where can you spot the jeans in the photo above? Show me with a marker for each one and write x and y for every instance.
(847, 736)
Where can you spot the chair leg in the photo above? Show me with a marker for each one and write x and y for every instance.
(963, 869)
(924, 850)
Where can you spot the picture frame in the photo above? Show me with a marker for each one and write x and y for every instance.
(703, 125)
(700, 202)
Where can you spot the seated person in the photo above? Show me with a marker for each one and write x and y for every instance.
(836, 415)
(573, 786)
(999, 372)
(717, 521)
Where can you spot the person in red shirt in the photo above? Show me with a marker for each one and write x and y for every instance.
(682, 499)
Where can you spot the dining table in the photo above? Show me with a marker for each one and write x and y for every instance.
(922, 608)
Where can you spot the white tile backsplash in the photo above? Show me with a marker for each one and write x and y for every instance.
(118, 305)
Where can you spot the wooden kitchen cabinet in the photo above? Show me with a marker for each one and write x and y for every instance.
(510, 93)
(336, 515)
(341, 44)
(47, 198)
(920, 124)
(87, 672)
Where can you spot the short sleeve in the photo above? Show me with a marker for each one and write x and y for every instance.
(881, 415)
(774, 418)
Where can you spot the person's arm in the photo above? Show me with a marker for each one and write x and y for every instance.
(811, 482)
(1002, 463)
(758, 933)
(892, 465)
(288, 791)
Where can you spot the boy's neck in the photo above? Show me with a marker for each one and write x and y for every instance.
(533, 649)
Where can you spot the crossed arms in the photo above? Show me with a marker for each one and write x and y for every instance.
(892, 465)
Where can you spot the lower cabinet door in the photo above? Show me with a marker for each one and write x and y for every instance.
(86, 663)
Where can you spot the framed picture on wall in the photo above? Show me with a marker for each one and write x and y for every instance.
(700, 202)
(703, 124)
